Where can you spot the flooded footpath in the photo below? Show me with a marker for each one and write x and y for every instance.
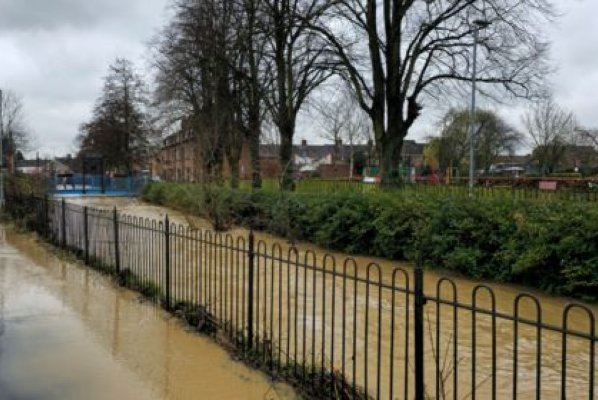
(67, 332)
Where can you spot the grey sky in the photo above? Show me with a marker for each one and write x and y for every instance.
(54, 53)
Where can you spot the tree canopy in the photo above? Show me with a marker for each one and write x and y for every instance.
(399, 54)
(227, 66)
(13, 128)
(120, 130)
(493, 137)
(550, 128)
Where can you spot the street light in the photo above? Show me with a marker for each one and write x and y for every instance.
(479, 24)
(1, 151)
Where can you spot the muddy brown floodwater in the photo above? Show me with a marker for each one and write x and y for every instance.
(67, 332)
(552, 313)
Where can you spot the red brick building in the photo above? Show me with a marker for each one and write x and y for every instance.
(177, 159)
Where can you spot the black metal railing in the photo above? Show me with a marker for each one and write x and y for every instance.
(344, 329)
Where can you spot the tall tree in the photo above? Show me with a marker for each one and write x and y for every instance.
(183, 81)
(299, 61)
(419, 50)
(120, 129)
(550, 128)
(15, 135)
(252, 79)
(209, 77)
(493, 137)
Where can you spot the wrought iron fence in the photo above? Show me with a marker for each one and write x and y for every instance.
(345, 329)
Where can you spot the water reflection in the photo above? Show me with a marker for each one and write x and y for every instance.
(68, 333)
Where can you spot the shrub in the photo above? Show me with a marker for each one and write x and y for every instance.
(552, 246)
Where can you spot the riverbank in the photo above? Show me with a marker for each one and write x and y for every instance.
(68, 332)
(506, 292)
(552, 246)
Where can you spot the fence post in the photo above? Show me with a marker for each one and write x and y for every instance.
(167, 260)
(250, 295)
(84, 173)
(46, 218)
(420, 301)
(34, 210)
(63, 223)
(116, 242)
(86, 233)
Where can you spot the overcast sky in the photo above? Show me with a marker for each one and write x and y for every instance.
(54, 54)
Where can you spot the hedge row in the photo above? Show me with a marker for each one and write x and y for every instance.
(552, 246)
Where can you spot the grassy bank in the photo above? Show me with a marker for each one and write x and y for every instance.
(552, 246)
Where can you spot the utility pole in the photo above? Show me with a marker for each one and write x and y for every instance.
(479, 24)
(1, 150)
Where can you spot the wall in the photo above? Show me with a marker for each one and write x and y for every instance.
(334, 171)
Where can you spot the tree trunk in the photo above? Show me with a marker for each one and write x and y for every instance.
(234, 174)
(254, 153)
(351, 162)
(233, 155)
(389, 153)
(286, 157)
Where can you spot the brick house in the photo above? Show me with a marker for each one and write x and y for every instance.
(176, 159)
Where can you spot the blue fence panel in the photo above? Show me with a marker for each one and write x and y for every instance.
(78, 185)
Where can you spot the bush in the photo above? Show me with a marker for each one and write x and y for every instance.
(551, 246)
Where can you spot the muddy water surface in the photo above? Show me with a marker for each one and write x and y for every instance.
(67, 332)
(307, 310)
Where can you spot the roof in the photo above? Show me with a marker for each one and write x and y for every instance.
(320, 151)
(513, 159)
(176, 138)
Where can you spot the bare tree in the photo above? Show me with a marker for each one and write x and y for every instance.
(15, 135)
(209, 60)
(343, 121)
(587, 136)
(332, 113)
(299, 61)
(192, 80)
(550, 128)
(252, 80)
(397, 53)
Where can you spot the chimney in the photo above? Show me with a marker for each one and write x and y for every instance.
(303, 143)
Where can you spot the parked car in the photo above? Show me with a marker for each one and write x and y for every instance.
(371, 179)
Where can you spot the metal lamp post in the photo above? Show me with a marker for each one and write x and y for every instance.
(1, 151)
(479, 24)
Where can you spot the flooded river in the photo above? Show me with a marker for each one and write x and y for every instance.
(67, 332)
(361, 328)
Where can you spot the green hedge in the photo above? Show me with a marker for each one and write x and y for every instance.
(552, 246)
